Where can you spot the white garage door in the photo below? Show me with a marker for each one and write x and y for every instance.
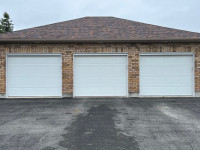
(100, 75)
(166, 75)
(34, 75)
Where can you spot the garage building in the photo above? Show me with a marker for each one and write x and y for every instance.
(99, 57)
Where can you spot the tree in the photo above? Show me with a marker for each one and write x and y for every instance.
(6, 24)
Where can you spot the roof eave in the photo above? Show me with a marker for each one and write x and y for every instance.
(57, 41)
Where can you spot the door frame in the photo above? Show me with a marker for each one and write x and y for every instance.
(101, 54)
(170, 54)
(31, 54)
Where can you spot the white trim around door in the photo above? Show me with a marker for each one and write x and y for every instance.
(23, 72)
(152, 57)
(85, 68)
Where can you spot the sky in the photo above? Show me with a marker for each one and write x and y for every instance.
(179, 14)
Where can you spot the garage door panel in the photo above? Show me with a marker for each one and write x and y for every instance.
(100, 80)
(171, 91)
(92, 59)
(92, 73)
(165, 70)
(34, 75)
(40, 60)
(165, 80)
(35, 82)
(17, 76)
(111, 70)
(27, 92)
(34, 69)
(166, 75)
(164, 85)
(89, 90)
(100, 75)
(171, 59)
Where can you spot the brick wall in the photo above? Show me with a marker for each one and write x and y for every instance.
(68, 50)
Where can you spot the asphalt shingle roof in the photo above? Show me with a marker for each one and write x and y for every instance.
(99, 28)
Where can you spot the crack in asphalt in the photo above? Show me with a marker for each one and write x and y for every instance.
(96, 131)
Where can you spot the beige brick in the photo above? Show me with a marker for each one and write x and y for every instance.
(67, 51)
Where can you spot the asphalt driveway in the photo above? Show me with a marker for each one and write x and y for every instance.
(100, 124)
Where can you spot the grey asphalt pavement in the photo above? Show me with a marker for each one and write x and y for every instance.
(100, 124)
